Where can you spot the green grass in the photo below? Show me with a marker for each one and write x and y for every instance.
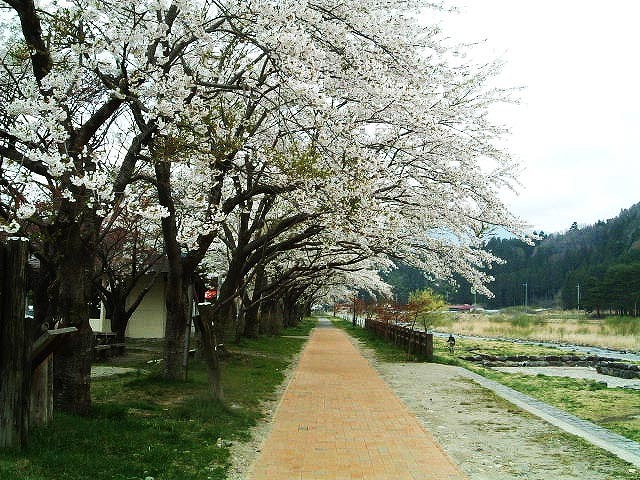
(599, 460)
(614, 408)
(385, 351)
(469, 346)
(586, 399)
(143, 425)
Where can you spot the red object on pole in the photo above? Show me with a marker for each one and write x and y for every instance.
(209, 294)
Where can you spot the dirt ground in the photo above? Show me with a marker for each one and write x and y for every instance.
(490, 438)
(106, 371)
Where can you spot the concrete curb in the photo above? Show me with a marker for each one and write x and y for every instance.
(620, 446)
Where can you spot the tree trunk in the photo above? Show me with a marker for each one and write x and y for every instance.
(119, 318)
(177, 293)
(251, 316)
(72, 372)
(225, 322)
(252, 321)
(226, 327)
(15, 346)
(270, 317)
(204, 323)
(292, 311)
(72, 363)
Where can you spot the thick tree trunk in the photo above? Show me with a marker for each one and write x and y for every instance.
(252, 321)
(225, 322)
(15, 346)
(72, 372)
(292, 310)
(119, 319)
(72, 364)
(176, 292)
(226, 326)
(177, 300)
(271, 317)
(210, 352)
(252, 313)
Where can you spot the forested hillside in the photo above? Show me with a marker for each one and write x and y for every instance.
(604, 259)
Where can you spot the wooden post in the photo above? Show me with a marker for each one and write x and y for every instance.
(429, 346)
(41, 411)
(42, 353)
(15, 343)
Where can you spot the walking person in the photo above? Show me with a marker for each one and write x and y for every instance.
(451, 342)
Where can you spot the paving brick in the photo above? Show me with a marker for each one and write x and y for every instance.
(339, 420)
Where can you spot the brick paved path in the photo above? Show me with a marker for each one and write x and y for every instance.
(338, 420)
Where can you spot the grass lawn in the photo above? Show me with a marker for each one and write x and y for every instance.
(469, 346)
(144, 426)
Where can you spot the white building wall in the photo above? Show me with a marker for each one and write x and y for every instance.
(149, 318)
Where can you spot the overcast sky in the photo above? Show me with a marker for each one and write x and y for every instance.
(576, 132)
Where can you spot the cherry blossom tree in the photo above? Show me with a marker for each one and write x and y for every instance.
(267, 127)
(58, 111)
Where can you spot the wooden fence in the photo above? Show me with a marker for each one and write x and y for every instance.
(412, 341)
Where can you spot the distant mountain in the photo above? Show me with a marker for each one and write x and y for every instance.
(604, 259)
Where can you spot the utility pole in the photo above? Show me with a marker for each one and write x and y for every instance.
(526, 294)
(578, 286)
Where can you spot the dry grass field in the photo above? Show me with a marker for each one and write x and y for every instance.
(621, 333)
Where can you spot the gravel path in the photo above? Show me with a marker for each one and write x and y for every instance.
(612, 442)
(490, 438)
